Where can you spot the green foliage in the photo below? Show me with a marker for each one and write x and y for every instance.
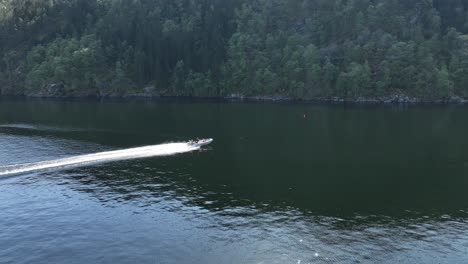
(341, 48)
(75, 63)
(199, 84)
(355, 82)
(120, 82)
(178, 79)
(297, 48)
(443, 84)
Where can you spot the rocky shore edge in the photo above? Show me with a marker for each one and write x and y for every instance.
(58, 91)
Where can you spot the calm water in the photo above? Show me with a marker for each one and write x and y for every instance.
(344, 185)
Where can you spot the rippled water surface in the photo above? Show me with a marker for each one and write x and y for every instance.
(343, 185)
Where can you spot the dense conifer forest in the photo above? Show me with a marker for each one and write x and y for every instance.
(293, 48)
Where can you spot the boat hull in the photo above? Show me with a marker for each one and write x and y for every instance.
(202, 142)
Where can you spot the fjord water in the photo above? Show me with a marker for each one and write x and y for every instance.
(342, 185)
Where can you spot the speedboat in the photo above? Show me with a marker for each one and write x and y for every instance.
(201, 142)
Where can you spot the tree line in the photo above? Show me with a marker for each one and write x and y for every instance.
(294, 48)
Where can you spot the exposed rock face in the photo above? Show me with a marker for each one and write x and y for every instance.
(54, 90)
(272, 98)
(400, 99)
(236, 96)
(149, 91)
(390, 99)
(59, 90)
(457, 99)
(103, 90)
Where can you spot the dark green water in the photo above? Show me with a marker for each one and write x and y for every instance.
(343, 185)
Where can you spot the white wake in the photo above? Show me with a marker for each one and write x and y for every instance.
(101, 157)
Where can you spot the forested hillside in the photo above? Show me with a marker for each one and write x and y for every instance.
(295, 48)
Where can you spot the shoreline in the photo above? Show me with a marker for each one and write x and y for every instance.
(384, 100)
